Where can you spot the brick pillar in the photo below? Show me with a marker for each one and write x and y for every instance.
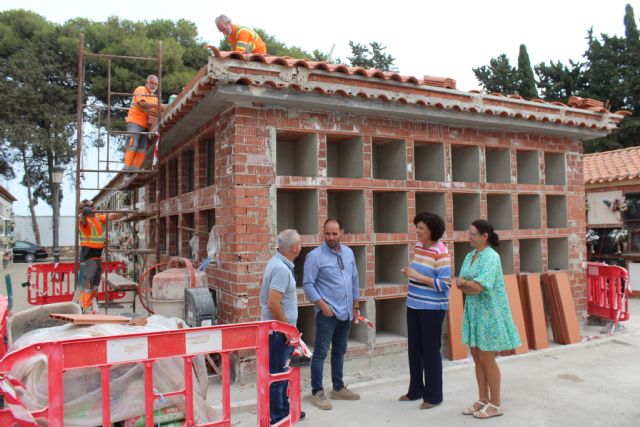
(242, 213)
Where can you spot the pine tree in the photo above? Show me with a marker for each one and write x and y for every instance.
(499, 76)
(527, 83)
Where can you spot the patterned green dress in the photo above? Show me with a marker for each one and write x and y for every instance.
(487, 322)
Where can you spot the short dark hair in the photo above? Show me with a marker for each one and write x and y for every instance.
(336, 220)
(434, 223)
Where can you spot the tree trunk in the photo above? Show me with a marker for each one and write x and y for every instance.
(34, 221)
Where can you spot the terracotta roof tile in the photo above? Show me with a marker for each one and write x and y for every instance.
(326, 79)
(612, 166)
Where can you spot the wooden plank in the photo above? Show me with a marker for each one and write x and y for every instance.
(455, 315)
(89, 319)
(552, 310)
(570, 319)
(513, 295)
(531, 296)
(117, 282)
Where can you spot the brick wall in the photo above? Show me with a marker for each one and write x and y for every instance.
(268, 176)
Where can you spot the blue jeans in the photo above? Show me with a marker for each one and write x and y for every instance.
(279, 353)
(334, 332)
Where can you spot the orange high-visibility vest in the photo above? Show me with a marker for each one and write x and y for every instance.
(91, 234)
(245, 39)
(136, 114)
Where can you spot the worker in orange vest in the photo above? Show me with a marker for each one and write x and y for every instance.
(241, 39)
(91, 227)
(144, 104)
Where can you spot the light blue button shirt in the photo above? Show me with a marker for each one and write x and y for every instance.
(278, 275)
(324, 279)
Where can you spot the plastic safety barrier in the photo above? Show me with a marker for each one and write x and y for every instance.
(608, 292)
(50, 283)
(148, 348)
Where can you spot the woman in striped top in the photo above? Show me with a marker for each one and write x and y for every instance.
(427, 302)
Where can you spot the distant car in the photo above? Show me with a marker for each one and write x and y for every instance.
(28, 251)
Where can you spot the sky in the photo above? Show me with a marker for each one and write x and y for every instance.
(445, 39)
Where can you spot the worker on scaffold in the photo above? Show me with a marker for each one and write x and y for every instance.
(241, 39)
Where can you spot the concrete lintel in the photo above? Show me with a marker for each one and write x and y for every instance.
(235, 93)
(211, 105)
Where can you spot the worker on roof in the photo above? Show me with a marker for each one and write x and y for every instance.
(241, 39)
(91, 226)
(142, 114)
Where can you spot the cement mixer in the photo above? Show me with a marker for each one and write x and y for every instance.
(168, 287)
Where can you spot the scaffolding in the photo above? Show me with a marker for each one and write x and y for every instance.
(128, 181)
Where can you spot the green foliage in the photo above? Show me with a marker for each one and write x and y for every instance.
(558, 82)
(39, 91)
(610, 72)
(499, 76)
(526, 81)
(371, 56)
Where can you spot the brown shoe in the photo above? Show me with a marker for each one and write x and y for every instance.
(344, 394)
(320, 401)
(406, 398)
(427, 405)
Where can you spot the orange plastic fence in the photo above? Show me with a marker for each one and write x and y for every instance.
(50, 283)
(608, 292)
(148, 348)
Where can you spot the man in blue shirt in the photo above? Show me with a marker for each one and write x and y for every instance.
(331, 284)
(279, 301)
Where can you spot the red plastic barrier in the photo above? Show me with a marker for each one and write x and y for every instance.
(50, 283)
(608, 292)
(147, 348)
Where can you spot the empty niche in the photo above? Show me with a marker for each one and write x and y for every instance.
(296, 154)
(359, 334)
(390, 212)
(505, 250)
(391, 319)
(530, 256)
(558, 253)
(389, 159)
(360, 253)
(498, 165)
(298, 210)
(466, 209)
(348, 206)
(461, 250)
(500, 211)
(307, 324)
(556, 211)
(298, 265)
(431, 202)
(390, 259)
(428, 161)
(465, 163)
(529, 216)
(528, 167)
(554, 169)
(345, 157)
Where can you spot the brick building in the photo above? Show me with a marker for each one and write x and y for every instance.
(259, 145)
(612, 178)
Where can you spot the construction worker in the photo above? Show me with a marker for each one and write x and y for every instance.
(144, 104)
(91, 227)
(241, 39)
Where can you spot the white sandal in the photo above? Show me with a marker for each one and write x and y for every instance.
(482, 413)
(471, 409)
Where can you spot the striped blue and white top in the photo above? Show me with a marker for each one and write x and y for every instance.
(433, 262)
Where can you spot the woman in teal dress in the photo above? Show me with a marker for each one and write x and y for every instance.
(487, 326)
